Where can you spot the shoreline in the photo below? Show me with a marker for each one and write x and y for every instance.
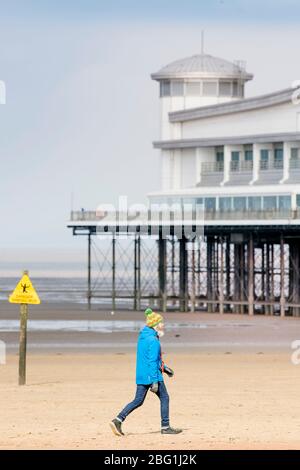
(61, 328)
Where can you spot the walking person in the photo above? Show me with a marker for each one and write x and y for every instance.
(149, 374)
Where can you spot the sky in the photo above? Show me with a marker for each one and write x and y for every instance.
(82, 111)
(166, 10)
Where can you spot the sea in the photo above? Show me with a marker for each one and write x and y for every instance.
(50, 289)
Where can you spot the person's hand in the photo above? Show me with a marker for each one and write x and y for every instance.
(168, 371)
(154, 387)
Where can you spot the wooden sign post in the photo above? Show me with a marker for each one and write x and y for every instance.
(23, 294)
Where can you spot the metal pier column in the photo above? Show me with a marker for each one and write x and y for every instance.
(228, 271)
(263, 276)
(89, 290)
(209, 256)
(282, 267)
(221, 284)
(193, 273)
(267, 283)
(113, 287)
(297, 278)
(137, 272)
(237, 278)
(272, 297)
(294, 278)
(251, 275)
(183, 285)
(173, 290)
(162, 271)
(242, 276)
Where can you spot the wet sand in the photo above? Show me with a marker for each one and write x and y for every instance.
(61, 328)
(235, 386)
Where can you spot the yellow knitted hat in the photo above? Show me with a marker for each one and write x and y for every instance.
(154, 319)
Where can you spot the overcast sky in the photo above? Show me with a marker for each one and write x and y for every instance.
(82, 111)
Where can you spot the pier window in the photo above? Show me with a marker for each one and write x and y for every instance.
(269, 203)
(210, 203)
(294, 153)
(165, 88)
(240, 203)
(254, 203)
(225, 89)
(284, 202)
(278, 158)
(235, 156)
(220, 160)
(264, 159)
(298, 200)
(295, 163)
(237, 89)
(192, 88)
(209, 88)
(235, 160)
(199, 201)
(248, 163)
(177, 88)
(225, 204)
(248, 155)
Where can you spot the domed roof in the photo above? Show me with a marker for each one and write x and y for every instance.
(202, 66)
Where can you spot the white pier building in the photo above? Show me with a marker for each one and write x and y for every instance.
(231, 153)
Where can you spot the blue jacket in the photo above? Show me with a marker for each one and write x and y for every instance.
(148, 357)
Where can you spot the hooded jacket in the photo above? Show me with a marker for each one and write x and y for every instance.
(148, 357)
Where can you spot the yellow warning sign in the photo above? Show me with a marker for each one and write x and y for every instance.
(24, 293)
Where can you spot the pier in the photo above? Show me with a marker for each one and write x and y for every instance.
(245, 263)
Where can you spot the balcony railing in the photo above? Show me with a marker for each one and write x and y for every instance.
(212, 167)
(274, 214)
(295, 164)
(218, 167)
(241, 166)
(273, 165)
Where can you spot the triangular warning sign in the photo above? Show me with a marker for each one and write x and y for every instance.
(24, 293)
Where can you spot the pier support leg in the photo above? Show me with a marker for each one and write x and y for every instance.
(294, 278)
(228, 271)
(263, 277)
(89, 290)
(183, 287)
(113, 279)
(213, 274)
(282, 286)
(209, 253)
(251, 275)
(162, 271)
(297, 278)
(199, 272)
(272, 296)
(242, 277)
(193, 294)
(221, 291)
(173, 290)
(267, 275)
(137, 272)
(237, 278)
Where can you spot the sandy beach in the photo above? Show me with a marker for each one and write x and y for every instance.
(235, 387)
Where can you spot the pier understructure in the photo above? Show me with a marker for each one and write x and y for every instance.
(239, 265)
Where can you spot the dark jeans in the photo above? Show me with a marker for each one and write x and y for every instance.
(141, 392)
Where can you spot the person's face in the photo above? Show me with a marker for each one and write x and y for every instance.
(160, 328)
